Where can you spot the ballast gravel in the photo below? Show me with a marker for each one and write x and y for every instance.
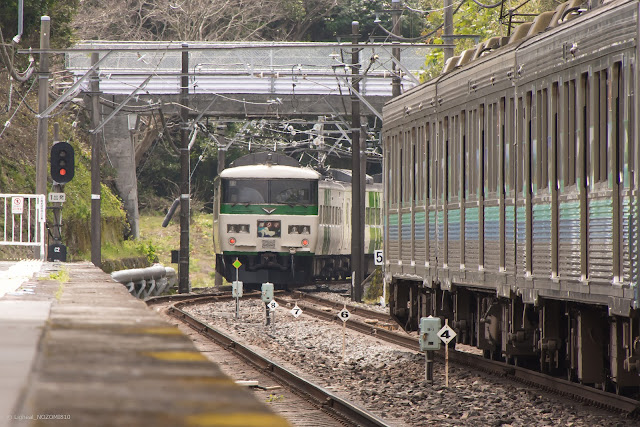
(389, 380)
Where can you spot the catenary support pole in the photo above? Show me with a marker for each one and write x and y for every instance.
(448, 29)
(96, 220)
(43, 122)
(396, 7)
(222, 154)
(183, 266)
(356, 235)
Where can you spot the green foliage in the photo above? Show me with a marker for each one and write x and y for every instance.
(60, 11)
(16, 175)
(61, 275)
(130, 249)
(470, 19)
(78, 192)
(374, 291)
(364, 11)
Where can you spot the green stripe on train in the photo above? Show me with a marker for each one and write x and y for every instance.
(237, 253)
(241, 209)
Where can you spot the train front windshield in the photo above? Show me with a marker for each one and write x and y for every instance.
(274, 191)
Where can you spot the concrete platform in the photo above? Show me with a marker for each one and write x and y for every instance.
(86, 353)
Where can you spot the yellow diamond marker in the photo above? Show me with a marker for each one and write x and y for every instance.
(176, 356)
(237, 264)
(236, 420)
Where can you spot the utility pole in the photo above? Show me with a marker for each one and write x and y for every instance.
(43, 103)
(395, 29)
(183, 265)
(357, 232)
(96, 220)
(222, 154)
(448, 29)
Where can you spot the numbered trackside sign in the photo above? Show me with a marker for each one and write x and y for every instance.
(344, 315)
(446, 334)
(296, 311)
(273, 305)
(378, 257)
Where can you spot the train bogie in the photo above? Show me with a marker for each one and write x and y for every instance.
(519, 218)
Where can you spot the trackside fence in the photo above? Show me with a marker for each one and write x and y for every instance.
(22, 220)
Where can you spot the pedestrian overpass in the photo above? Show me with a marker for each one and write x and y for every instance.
(247, 79)
(227, 81)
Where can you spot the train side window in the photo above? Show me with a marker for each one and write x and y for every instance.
(583, 112)
(572, 142)
(627, 134)
(493, 148)
(553, 144)
(473, 143)
(486, 149)
(543, 139)
(400, 173)
(598, 120)
(508, 144)
(480, 152)
(530, 163)
(617, 130)
(427, 134)
(519, 163)
(453, 154)
(462, 153)
(416, 165)
(444, 158)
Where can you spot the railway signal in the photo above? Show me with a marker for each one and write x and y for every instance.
(62, 162)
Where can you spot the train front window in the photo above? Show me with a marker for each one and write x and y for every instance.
(245, 191)
(276, 191)
(293, 191)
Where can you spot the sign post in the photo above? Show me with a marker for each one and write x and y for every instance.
(446, 334)
(378, 258)
(344, 315)
(236, 287)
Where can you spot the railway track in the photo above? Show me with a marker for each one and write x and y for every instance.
(338, 408)
(317, 306)
(327, 310)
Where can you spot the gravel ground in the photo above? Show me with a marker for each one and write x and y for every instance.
(389, 380)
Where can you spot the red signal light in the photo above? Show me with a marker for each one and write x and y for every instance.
(232, 241)
(305, 242)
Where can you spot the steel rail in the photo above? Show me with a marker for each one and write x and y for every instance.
(303, 296)
(316, 394)
(576, 391)
(560, 386)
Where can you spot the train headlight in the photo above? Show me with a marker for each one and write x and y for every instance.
(305, 242)
(232, 241)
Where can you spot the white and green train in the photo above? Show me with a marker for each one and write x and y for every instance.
(288, 224)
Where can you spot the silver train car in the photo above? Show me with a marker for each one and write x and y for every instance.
(287, 224)
(518, 218)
